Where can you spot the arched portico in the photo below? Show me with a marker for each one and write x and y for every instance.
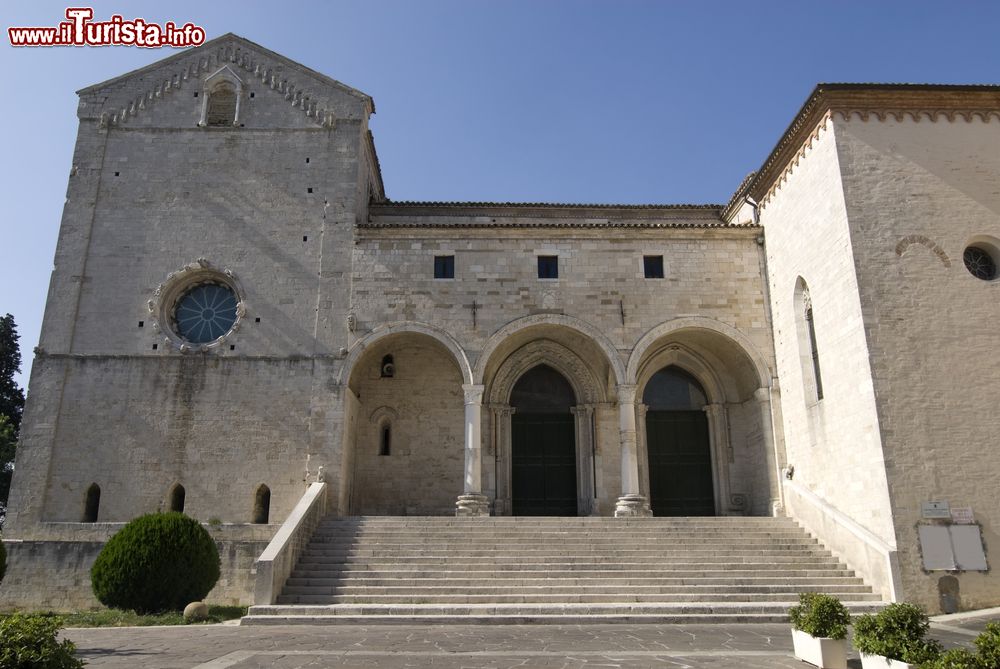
(403, 444)
(588, 392)
(736, 382)
(609, 371)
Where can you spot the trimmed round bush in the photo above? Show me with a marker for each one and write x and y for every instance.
(157, 562)
(820, 615)
(896, 632)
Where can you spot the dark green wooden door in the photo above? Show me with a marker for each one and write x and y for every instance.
(543, 465)
(680, 464)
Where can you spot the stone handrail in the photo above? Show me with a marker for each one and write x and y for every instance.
(276, 563)
(864, 552)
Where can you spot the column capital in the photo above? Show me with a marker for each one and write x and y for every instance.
(762, 395)
(712, 409)
(473, 393)
(626, 393)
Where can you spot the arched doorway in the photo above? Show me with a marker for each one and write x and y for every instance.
(678, 445)
(543, 445)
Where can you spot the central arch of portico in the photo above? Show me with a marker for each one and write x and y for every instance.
(588, 392)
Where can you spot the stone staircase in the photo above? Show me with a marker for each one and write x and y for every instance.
(559, 570)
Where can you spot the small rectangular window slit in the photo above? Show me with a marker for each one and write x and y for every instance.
(309, 190)
(305, 238)
(251, 93)
(307, 160)
(257, 320)
(117, 173)
(232, 347)
(140, 323)
(154, 346)
(196, 93)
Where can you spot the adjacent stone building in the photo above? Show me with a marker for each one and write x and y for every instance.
(237, 310)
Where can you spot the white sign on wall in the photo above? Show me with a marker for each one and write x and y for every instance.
(962, 515)
(952, 548)
(938, 510)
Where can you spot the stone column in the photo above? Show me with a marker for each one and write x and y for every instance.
(763, 397)
(582, 419)
(642, 449)
(722, 455)
(501, 426)
(473, 502)
(631, 503)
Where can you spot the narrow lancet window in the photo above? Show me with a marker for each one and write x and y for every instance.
(812, 380)
(385, 440)
(93, 504)
(177, 498)
(262, 505)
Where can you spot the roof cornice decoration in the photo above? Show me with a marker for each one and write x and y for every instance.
(898, 102)
(585, 225)
(221, 53)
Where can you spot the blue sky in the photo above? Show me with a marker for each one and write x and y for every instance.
(533, 100)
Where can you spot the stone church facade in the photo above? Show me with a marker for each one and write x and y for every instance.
(237, 310)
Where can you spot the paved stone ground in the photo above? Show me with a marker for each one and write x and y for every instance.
(457, 647)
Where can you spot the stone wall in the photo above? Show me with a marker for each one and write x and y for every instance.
(54, 573)
(834, 444)
(269, 206)
(917, 194)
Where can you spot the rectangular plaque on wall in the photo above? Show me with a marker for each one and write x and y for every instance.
(952, 548)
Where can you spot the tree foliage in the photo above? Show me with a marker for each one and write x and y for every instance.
(157, 562)
(11, 405)
(11, 395)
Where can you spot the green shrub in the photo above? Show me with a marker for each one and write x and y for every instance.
(956, 658)
(896, 632)
(988, 644)
(820, 616)
(29, 642)
(157, 562)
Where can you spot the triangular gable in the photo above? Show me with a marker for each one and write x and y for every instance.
(305, 88)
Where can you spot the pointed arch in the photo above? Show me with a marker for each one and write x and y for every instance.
(515, 327)
(176, 498)
(261, 504)
(691, 323)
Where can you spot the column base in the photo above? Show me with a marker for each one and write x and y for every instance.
(472, 504)
(632, 506)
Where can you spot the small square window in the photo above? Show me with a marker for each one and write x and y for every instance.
(548, 267)
(653, 266)
(444, 267)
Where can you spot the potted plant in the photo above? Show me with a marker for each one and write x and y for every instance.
(819, 630)
(893, 638)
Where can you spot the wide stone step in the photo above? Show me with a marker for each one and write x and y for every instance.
(561, 589)
(547, 598)
(652, 541)
(398, 553)
(660, 613)
(801, 583)
(570, 562)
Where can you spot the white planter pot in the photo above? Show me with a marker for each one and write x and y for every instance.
(880, 662)
(824, 653)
